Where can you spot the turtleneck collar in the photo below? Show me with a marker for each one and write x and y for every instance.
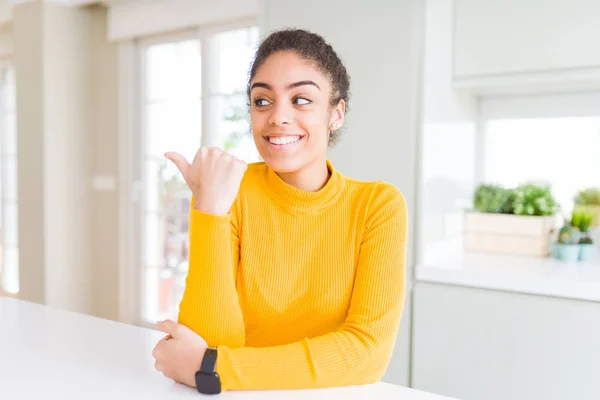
(301, 201)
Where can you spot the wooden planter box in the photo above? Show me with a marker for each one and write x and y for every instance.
(508, 234)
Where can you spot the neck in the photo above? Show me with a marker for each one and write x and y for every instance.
(310, 178)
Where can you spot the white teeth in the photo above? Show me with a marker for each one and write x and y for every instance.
(284, 139)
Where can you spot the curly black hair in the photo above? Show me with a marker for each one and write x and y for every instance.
(312, 47)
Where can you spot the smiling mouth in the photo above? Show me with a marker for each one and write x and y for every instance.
(284, 140)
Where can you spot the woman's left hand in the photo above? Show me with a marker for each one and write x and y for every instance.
(179, 354)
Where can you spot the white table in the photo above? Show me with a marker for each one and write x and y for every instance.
(47, 353)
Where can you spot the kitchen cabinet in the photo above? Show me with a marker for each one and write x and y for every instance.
(513, 43)
(481, 344)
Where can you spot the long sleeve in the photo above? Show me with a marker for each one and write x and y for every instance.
(360, 350)
(210, 304)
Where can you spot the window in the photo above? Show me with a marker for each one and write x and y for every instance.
(549, 139)
(564, 152)
(193, 94)
(9, 266)
(230, 54)
(552, 139)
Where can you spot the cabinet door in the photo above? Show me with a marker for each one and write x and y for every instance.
(476, 344)
(515, 36)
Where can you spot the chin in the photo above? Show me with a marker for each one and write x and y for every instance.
(283, 164)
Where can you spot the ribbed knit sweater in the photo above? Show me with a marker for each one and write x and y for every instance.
(299, 289)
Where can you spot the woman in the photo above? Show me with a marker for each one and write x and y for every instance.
(297, 273)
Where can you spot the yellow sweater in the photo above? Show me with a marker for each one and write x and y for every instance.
(299, 289)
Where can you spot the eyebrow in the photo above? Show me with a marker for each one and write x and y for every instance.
(290, 86)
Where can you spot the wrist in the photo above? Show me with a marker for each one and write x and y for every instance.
(210, 209)
(207, 379)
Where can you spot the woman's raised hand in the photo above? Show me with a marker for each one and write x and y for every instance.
(214, 177)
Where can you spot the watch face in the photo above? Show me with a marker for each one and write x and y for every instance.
(208, 383)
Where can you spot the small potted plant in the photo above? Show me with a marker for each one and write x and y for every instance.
(582, 220)
(589, 200)
(567, 247)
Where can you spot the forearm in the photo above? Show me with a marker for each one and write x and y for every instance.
(349, 356)
(210, 304)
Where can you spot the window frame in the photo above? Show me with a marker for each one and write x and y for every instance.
(134, 140)
(6, 64)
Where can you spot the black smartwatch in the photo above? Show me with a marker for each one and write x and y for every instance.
(207, 379)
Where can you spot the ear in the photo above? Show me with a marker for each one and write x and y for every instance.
(336, 119)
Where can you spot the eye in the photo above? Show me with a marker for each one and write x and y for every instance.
(260, 102)
(301, 101)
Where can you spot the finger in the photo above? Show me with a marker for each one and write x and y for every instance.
(180, 162)
(167, 326)
(156, 352)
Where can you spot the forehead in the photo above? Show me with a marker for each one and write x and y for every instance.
(285, 67)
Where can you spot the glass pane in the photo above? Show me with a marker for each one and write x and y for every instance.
(230, 54)
(232, 121)
(10, 228)
(167, 251)
(154, 235)
(153, 174)
(173, 122)
(166, 192)
(174, 71)
(166, 282)
(10, 178)
(150, 295)
(10, 270)
(559, 151)
(164, 291)
(177, 243)
(10, 135)
(173, 127)
(11, 91)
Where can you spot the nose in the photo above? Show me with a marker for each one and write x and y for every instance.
(281, 114)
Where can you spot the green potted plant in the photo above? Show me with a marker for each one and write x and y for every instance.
(589, 200)
(581, 220)
(567, 247)
(534, 199)
(513, 221)
(493, 199)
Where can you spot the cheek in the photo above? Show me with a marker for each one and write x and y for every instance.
(315, 123)
(258, 121)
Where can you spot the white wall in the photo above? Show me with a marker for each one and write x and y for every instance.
(52, 60)
(379, 43)
(5, 11)
(6, 41)
(28, 44)
(448, 143)
(105, 146)
(67, 154)
(131, 19)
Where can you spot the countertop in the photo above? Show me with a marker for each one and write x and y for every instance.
(529, 275)
(47, 353)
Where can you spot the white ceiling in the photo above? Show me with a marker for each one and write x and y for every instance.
(10, 3)
(7, 5)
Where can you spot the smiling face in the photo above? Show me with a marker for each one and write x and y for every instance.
(290, 112)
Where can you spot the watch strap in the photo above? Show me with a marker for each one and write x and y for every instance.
(209, 361)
